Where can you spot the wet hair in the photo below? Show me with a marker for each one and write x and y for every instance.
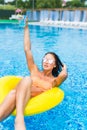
(56, 70)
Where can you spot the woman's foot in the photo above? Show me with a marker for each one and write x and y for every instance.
(19, 124)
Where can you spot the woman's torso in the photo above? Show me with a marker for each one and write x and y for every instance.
(41, 83)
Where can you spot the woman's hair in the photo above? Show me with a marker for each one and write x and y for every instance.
(58, 63)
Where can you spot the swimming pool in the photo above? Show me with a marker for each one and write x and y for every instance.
(71, 46)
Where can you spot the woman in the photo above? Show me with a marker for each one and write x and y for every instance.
(53, 74)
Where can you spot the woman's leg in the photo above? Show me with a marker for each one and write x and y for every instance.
(23, 93)
(8, 105)
(16, 98)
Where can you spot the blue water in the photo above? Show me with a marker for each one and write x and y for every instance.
(71, 46)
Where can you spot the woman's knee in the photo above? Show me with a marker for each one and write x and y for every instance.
(28, 80)
(12, 94)
(26, 83)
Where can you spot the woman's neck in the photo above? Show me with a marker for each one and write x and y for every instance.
(47, 73)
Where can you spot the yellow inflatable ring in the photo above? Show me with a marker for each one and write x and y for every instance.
(38, 104)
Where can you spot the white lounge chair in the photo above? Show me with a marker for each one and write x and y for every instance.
(17, 17)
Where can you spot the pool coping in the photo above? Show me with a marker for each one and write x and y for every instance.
(57, 25)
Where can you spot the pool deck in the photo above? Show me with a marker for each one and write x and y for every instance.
(76, 25)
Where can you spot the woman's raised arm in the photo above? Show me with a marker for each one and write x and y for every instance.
(27, 49)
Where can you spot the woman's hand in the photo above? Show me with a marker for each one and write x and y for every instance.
(64, 71)
(26, 21)
(64, 67)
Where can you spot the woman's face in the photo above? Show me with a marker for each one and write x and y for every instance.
(48, 62)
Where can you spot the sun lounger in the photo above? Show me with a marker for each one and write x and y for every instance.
(17, 17)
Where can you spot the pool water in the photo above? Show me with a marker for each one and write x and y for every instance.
(71, 46)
